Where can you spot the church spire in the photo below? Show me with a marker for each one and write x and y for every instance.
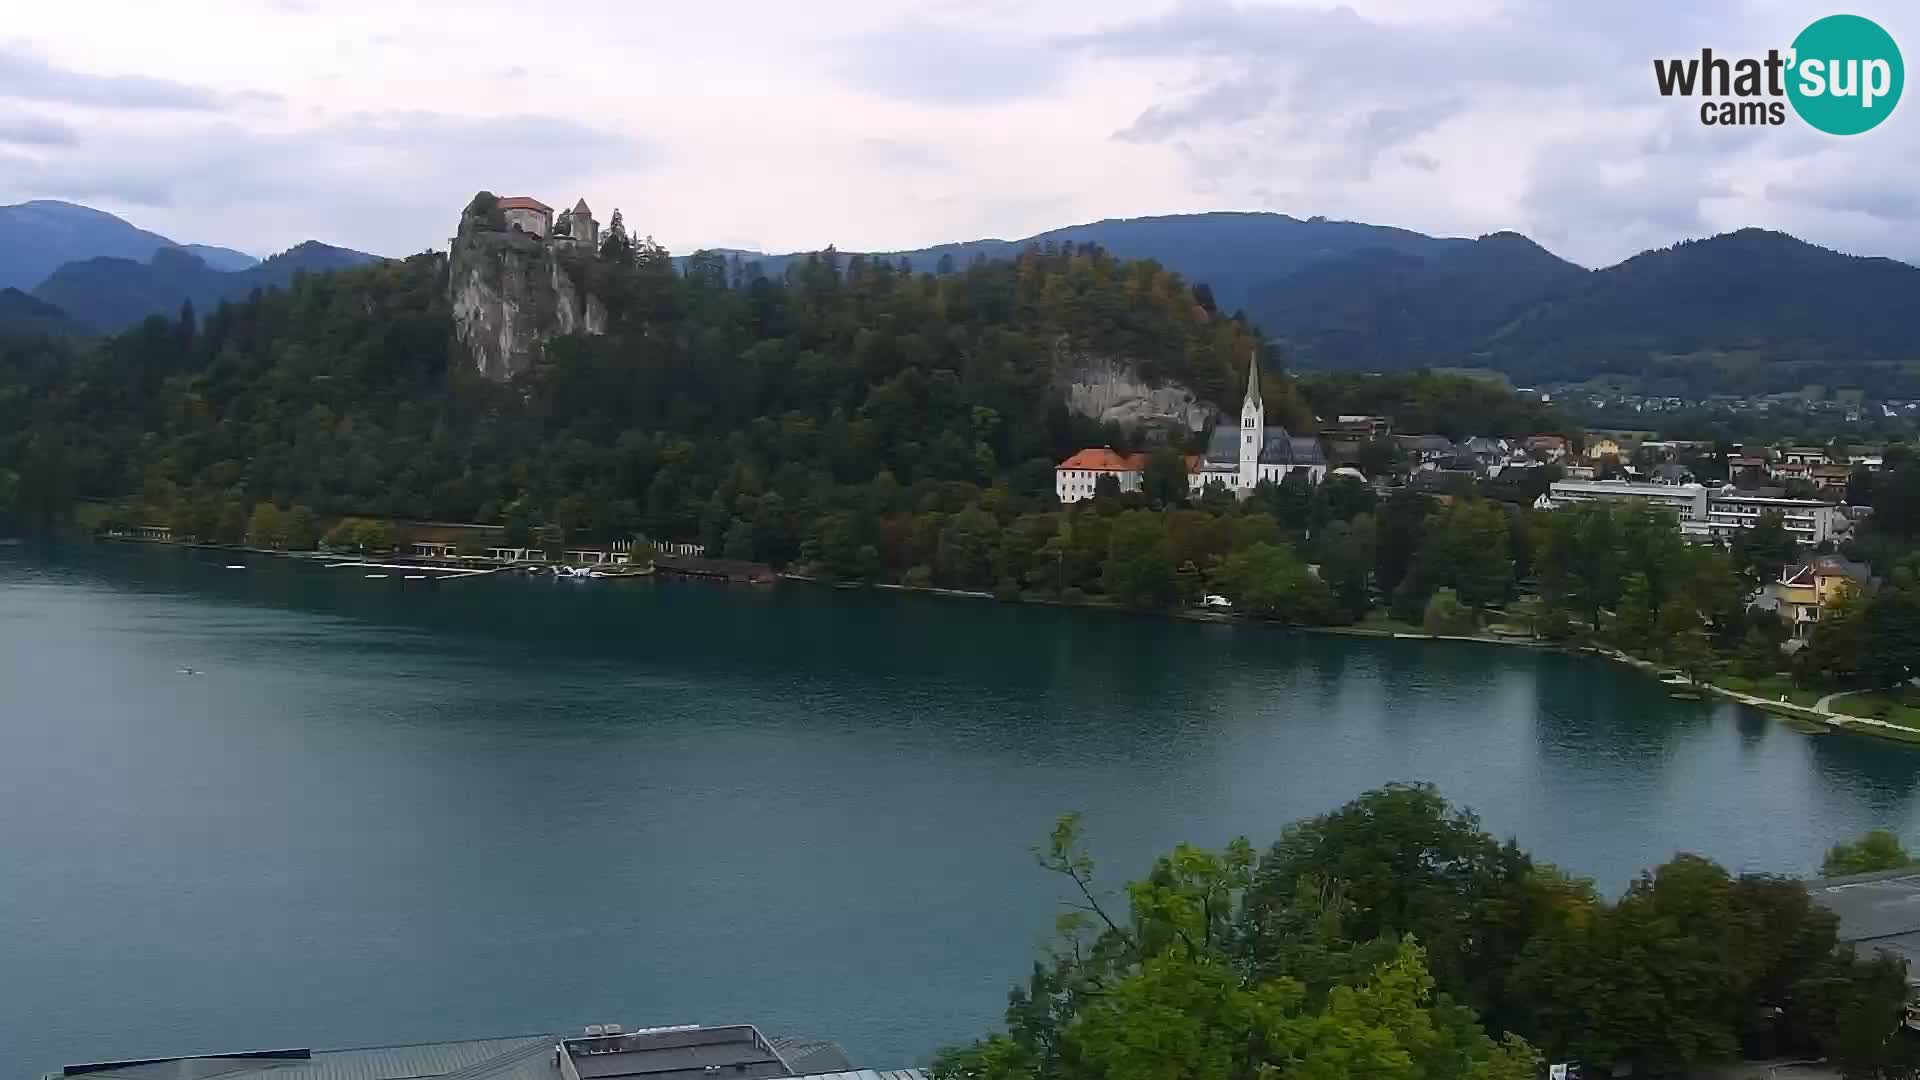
(1253, 376)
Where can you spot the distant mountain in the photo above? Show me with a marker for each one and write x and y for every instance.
(1231, 251)
(37, 238)
(110, 294)
(222, 258)
(1752, 309)
(1747, 312)
(1386, 308)
(22, 315)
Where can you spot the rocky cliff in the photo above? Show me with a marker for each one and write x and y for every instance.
(1112, 390)
(511, 292)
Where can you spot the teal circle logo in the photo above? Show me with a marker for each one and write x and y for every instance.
(1846, 75)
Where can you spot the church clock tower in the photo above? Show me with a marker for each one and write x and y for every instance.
(1253, 426)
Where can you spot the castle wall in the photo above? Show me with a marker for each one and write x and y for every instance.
(530, 221)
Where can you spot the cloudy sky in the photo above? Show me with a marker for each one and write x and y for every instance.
(780, 126)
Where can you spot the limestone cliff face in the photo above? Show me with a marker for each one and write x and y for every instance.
(511, 292)
(1109, 389)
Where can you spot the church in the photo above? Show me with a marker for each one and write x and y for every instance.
(1238, 458)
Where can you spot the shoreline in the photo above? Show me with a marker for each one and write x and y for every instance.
(1807, 721)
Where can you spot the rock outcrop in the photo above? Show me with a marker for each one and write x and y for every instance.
(512, 291)
(1112, 390)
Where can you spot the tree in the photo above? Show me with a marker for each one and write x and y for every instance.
(1140, 571)
(1346, 563)
(967, 545)
(738, 542)
(267, 527)
(303, 529)
(1878, 849)
(1890, 635)
(1106, 486)
(1267, 581)
(1164, 481)
(1446, 615)
(1762, 550)
(1633, 616)
(1837, 644)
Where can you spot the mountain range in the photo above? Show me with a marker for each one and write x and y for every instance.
(1748, 312)
(37, 238)
(108, 294)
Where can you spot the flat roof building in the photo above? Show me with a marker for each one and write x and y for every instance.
(602, 1052)
(1688, 502)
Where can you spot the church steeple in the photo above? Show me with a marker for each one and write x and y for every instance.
(1253, 425)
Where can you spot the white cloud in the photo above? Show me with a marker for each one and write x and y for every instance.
(771, 125)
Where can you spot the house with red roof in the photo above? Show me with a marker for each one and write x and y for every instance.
(1077, 477)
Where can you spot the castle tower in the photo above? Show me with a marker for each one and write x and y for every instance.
(585, 229)
(1253, 425)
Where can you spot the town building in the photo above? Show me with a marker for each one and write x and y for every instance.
(1604, 447)
(1547, 447)
(1688, 502)
(1804, 455)
(1802, 590)
(1830, 477)
(1078, 477)
(1710, 514)
(1426, 449)
(1346, 434)
(602, 1052)
(1810, 521)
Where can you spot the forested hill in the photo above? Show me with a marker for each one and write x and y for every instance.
(1747, 312)
(1754, 310)
(710, 405)
(110, 294)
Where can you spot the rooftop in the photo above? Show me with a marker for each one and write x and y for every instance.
(1880, 910)
(1105, 459)
(736, 1051)
(523, 202)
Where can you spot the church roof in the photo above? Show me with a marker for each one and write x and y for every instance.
(1276, 447)
(522, 202)
(1253, 377)
(581, 208)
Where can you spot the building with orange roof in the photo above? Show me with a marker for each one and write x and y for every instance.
(527, 214)
(1077, 477)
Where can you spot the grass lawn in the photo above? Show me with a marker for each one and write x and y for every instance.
(1380, 620)
(1770, 688)
(1894, 706)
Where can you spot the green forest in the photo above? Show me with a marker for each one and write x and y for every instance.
(1394, 938)
(854, 420)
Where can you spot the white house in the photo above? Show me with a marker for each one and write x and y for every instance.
(1077, 477)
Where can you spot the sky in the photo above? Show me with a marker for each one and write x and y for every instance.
(892, 125)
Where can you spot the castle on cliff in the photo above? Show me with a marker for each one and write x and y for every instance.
(518, 276)
(574, 227)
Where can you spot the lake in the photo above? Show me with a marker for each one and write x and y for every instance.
(388, 814)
